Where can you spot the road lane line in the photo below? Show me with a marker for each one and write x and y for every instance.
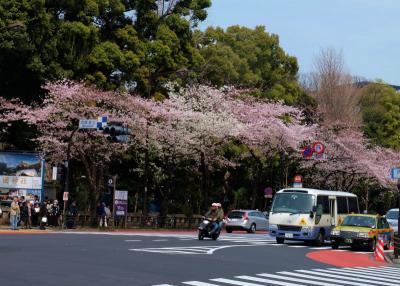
(332, 274)
(321, 248)
(133, 240)
(256, 279)
(296, 246)
(324, 277)
(240, 283)
(361, 275)
(164, 285)
(159, 240)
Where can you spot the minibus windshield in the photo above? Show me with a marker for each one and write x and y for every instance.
(293, 203)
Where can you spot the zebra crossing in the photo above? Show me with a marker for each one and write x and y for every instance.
(358, 276)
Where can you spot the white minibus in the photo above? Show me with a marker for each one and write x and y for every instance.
(308, 214)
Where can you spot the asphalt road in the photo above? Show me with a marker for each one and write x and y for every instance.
(101, 259)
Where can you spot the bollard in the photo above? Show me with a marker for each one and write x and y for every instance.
(396, 245)
(379, 250)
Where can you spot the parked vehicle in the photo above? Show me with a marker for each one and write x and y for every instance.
(308, 214)
(362, 230)
(249, 220)
(392, 217)
(204, 230)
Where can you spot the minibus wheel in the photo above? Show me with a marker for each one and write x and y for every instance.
(280, 240)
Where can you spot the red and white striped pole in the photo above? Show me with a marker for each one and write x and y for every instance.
(379, 250)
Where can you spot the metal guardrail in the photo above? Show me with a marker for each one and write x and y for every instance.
(178, 221)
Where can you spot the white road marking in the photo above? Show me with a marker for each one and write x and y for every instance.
(324, 278)
(297, 246)
(315, 277)
(361, 275)
(256, 279)
(159, 240)
(373, 272)
(240, 283)
(196, 283)
(329, 273)
(133, 240)
(321, 248)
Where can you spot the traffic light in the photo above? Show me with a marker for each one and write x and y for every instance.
(117, 132)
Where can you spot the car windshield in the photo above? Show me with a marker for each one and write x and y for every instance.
(292, 203)
(361, 221)
(392, 215)
(235, 214)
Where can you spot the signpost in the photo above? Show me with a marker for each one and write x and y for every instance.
(121, 204)
(65, 199)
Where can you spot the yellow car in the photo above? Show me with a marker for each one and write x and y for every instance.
(362, 230)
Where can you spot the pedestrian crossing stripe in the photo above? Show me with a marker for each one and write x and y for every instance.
(358, 276)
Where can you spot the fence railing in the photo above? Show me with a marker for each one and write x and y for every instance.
(177, 221)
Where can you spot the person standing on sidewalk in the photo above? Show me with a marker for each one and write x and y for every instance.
(14, 214)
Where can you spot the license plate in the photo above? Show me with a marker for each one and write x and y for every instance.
(289, 235)
(348, 240)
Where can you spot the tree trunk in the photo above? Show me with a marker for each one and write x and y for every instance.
(203, 188)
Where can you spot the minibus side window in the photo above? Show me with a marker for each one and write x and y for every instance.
(353, 205)
(342, 205)
(324, 201)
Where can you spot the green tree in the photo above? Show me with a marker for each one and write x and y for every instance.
(116, 44)
(247, 57)
(381, 114)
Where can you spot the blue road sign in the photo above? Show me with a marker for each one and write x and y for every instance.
(395, 173)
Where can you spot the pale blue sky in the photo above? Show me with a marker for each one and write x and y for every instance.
(367, 31)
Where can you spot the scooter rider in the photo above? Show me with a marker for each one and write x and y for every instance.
(216, 215)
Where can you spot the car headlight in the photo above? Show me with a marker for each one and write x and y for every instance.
(273, 226)
(335, 232)
(363, 234)
(307, 228)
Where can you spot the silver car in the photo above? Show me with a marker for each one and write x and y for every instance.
(249, 220)
(392, 218)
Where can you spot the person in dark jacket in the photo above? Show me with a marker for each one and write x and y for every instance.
(43, 215)
(26, 215)
(71, 216)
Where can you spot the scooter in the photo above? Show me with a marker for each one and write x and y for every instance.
(205, 228)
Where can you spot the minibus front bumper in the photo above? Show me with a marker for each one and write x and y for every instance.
(294, 232)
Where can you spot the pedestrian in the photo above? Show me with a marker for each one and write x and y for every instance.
(55, 210)
(43, 215)
(24, 214)
(35, 214)
(103, 215)
(14, 214)
(72, 215)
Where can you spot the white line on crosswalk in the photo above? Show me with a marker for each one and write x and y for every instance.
(297, 246)
(361, 275)
(373, 272)
(196, 283)
(321, 248)
(333, 274)
(159, 240)
(133, 240)
(256, 279)
(240, 283)
(314, 276)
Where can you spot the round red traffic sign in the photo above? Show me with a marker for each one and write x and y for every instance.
(308, 152)
(318, 147)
